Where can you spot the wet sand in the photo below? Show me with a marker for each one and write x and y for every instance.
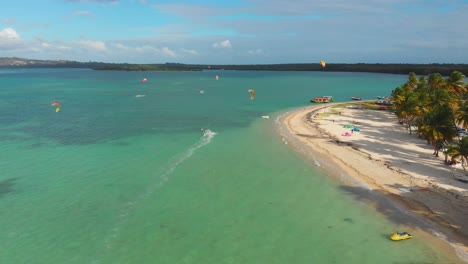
(397, 167)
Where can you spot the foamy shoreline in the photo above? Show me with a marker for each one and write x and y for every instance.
(383, 157)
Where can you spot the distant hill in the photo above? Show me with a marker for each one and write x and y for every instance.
(420, 69)
(14, 62)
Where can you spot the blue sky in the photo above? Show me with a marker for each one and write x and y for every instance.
(236, 31)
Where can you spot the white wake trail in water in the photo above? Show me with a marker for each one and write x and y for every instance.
(128, 207)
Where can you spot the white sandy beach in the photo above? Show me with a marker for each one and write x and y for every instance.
(390, 161)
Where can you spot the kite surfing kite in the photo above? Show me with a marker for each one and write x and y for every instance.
(55, 103)
(323, 63)
(144, 80)
(252, 93)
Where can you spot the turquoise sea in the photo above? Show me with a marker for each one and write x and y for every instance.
(179, 175)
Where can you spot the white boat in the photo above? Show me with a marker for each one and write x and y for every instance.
(266, 117)
(140, 95)
(462, 178)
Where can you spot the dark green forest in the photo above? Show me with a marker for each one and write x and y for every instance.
(395, 68)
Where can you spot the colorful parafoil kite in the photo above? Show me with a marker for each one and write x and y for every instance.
(55, 103)
(252, 93)
(144, 80)
(323, 63)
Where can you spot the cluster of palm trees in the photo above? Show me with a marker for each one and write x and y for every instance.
(437, 108)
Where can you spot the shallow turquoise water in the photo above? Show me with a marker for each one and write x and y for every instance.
(113, 178)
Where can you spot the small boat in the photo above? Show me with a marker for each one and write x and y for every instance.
(322, 99)
(265, 116)
(140, 95)
(400, 236)
(462, 178)
(356, 98)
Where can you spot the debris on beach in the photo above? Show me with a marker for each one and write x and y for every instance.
(346, 134)
(405, 190)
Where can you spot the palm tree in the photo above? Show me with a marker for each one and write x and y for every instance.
(460, 150)
(407, 105)
(451, 151)
(461, 114)
(456, 83)
(436, 81)
(439, 126)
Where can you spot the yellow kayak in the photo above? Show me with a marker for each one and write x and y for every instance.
(400, 236)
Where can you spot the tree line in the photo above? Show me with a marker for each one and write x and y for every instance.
(436, 108)
(420, 69)
(395, 68)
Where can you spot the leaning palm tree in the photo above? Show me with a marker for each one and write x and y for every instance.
(407, 107)
(461, 114)
(439, 126)
(456, 83)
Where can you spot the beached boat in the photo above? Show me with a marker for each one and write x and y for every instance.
(322, 99)
(462, 178)
(356, 98)
(400, 236)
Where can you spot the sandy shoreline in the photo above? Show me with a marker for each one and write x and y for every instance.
(387, 160)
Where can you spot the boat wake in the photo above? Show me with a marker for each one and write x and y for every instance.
(177, 160)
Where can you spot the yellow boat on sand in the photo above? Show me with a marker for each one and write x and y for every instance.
(400, 236)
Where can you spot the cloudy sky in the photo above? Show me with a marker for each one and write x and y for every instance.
(236, 31)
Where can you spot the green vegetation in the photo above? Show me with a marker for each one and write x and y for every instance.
(438, 108)
(420, 69)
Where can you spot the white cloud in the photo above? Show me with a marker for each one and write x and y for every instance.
(223, 44)
(168, 52)
(64, 48)
(255, 52)
(189, 51)
(165, 51)
(9, 38)
(146, 48)
(83, 13)
(121, 46)
(93, 45)
(9, 33)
